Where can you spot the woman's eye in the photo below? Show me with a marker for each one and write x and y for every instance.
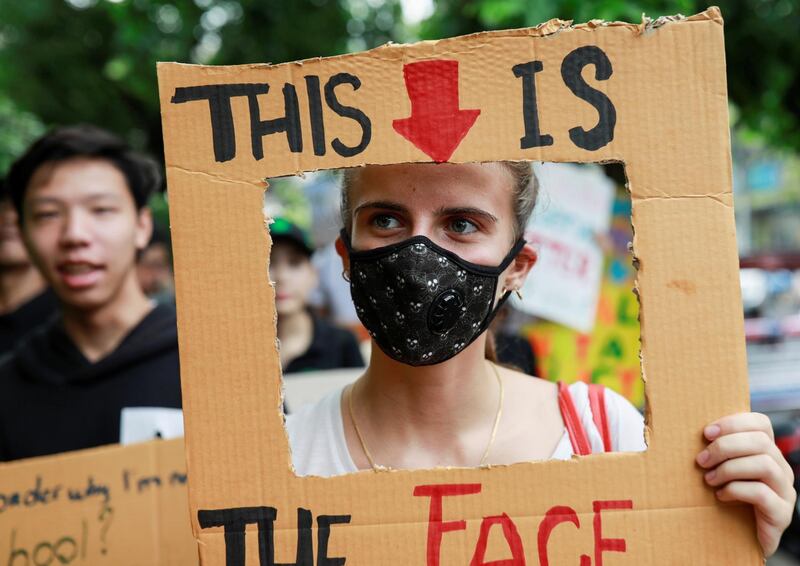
(385, 222)
(103, 209)
(462, 226)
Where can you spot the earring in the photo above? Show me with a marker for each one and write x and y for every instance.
(519, 294)
(345, 275)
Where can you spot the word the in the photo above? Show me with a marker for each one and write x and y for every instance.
(235, 520)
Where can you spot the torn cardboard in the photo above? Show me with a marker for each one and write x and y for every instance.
(120, 505)
(651, 97)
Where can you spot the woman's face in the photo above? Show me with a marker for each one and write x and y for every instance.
(465, 208)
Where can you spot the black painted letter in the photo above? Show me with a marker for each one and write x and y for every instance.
(219, 103)
(530, 112)
(348, 112)
(315, 111)
(571, 69)
(324, 523)
(234, 521)
(305, 548)
(289, 123)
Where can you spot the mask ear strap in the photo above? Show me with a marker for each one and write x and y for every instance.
(494, 312)
(512, 254)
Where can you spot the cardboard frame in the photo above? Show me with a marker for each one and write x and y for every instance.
(666, 82)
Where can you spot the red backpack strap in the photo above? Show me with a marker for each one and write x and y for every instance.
(572, 422)
(597, 401)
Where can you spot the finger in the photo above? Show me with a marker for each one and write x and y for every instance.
(772, 508)
(742, 444)
(760, 467)
(773, 514)
(738, 445)
(740, 422)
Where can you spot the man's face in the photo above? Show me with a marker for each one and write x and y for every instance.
(12, 250)
(82, 229)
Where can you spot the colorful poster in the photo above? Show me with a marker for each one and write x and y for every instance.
(574, 207)
(609, 353)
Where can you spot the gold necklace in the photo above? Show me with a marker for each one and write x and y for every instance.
(485, 457)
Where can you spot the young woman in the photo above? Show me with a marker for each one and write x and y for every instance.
(432, 251)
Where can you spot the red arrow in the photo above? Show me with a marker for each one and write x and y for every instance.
(436, 125)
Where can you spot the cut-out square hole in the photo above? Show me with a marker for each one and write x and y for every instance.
(423, 236)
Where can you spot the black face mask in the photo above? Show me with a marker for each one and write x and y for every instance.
(421, 303)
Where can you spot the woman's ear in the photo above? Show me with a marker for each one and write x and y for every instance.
(517, 272)
(341, 249)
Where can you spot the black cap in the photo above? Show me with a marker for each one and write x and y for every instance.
(282, 229)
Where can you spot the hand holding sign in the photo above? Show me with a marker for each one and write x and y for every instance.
(748, 467)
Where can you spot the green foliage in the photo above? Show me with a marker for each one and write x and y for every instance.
(290, 202)
(95, 60)
(762, 47)
(68, 61)
(455, 17)
(17, 131)
(159, 207)
(763, 58)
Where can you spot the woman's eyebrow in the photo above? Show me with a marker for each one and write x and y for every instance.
(466, 211)
(381, 204)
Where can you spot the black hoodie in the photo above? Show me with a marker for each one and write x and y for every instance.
(52, 399)
(16, 324)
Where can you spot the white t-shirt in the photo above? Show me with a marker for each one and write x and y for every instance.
(319, 448)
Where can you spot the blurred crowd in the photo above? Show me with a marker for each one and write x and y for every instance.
(88, 337)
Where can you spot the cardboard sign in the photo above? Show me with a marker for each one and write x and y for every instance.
(652, 96)
(120, 505)
(564, 285)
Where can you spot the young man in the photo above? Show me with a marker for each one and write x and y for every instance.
(25, 301)
(81, 196)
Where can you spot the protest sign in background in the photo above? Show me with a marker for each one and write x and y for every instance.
(573, 212)
(116, 505)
